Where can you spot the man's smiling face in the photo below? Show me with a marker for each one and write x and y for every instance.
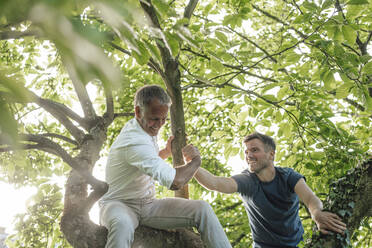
(257, 157)
(153, 117)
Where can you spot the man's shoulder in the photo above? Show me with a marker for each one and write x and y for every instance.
(244, 173)
(285, 170)
(289, 175)
(131, 134)
(244, 177)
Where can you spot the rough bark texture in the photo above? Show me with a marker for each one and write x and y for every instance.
(146, 237)
(351, 198)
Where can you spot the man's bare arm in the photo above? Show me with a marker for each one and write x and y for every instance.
(185, 173)
(216, 183)
(325, 221)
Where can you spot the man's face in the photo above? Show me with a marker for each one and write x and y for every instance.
(153, 118)
(256, 156)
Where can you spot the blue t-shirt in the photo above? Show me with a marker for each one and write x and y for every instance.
(272, 208)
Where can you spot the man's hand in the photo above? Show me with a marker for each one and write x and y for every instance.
(167, 151)
(185, 172)
(327, 221)
(190, 152)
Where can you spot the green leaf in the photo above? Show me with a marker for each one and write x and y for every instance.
(351, 204)
(161, 6)
(173, 43)
(293, 58)
(278, 116)
(357, 2)
(338, 36)
(221, 36)
(329, 80)
(271, 98)
(310, 6)
(367, 68)
(153, 50)
(353, 11)
(367, 101)
(349, 34)
(284, 91)
(327, 3)
(342, 91)
(142, 57)
(216, 65)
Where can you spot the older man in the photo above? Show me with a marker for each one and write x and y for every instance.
(134, 163)
(271, 196)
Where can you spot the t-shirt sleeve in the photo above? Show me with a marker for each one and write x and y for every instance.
(293, 178)
(245, 183)
(145, 158)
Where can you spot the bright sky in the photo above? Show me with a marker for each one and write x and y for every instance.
(14, 203)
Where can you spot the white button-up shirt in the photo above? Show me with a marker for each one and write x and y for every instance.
(134, 163)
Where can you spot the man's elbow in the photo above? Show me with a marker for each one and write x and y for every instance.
(177, 184)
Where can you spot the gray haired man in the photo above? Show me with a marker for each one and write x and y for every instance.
(133, 165)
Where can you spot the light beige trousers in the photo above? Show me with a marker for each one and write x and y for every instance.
(121, 218)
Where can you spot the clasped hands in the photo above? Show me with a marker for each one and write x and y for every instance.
(190, 152)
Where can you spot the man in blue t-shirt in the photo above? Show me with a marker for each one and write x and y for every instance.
(271, 196)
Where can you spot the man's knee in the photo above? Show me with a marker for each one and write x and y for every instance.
(204, 207)
(120, 224)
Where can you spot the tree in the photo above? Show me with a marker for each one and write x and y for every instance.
(299, 72)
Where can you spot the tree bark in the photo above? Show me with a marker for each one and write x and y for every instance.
(350, 197)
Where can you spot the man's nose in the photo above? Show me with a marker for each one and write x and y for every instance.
(159, 123)
(249, 154)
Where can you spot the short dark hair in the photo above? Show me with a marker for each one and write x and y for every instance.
(268, 142)
(146, 94)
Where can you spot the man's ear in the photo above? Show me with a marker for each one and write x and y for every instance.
(137, 112)
(272, 154)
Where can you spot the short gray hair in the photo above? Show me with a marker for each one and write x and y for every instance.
(147, 93)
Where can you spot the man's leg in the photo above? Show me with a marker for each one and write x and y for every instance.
(121, 221)
(177, 213)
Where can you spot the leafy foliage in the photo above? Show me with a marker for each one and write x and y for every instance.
(299, 71)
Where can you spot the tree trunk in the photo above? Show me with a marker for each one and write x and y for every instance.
(350, 197)
(146, 237)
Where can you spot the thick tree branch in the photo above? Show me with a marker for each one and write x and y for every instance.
(109, 114)
(61, 137)
(168, 61)
(363, 45)
(61, 113)
(7, 35)
(171, 78)
(42, 143)
(39, 142)
(190, 8)
(81, 91)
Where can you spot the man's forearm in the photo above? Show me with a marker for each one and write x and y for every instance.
(314, 205)
(185, 173)
(205, 178)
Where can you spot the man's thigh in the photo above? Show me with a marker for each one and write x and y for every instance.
(114, 212)
(173, 213)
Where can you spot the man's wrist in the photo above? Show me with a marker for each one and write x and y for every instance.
(196, 159)
(315, 212)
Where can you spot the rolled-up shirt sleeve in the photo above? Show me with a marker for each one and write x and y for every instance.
(146, 159)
